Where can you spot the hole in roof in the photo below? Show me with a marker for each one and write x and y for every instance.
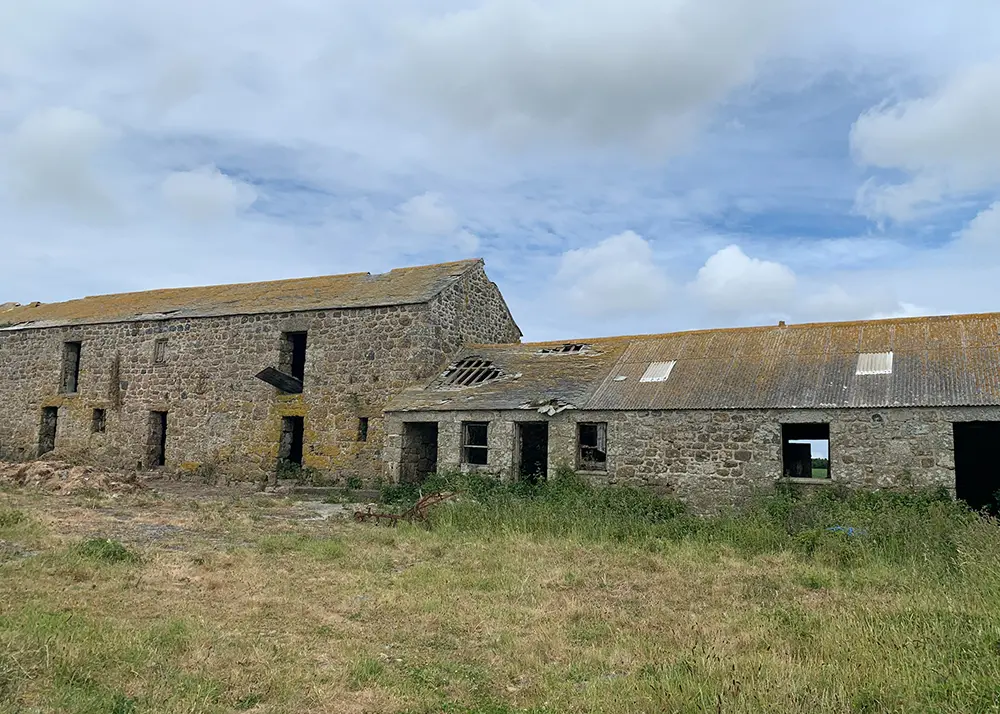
(874, 363)
(469, 372)
(570, 348)
(658, 371)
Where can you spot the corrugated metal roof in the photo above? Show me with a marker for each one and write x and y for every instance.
(936, 361)
(397, 287)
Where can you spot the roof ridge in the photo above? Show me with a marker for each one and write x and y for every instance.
(750, 328)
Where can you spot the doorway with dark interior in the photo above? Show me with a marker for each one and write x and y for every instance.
(47, 430)
(290, 447)
(533, 451)
(977, 472)
(420, 451)
(156, 442)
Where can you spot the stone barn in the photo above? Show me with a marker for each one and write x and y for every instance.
(712, 416)
(232, 380)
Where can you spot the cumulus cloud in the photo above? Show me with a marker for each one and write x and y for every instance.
(618, 275)
(732, 281)
(983, 231)
(947, 142)
(52, 160)
(206, 194)
(596, 70)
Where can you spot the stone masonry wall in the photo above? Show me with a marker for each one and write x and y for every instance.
(712, 459)
(220, 418)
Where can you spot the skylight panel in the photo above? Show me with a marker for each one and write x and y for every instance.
(658, 371)
(874, 363)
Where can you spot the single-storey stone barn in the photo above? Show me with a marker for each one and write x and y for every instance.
(229, 380)
(420, 369)
(710, 416)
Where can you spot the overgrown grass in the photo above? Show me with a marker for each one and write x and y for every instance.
(553, 598)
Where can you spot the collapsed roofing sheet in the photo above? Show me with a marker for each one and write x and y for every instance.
(397, 287)
(936, 361)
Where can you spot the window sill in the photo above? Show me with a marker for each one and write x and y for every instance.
(806, 481)
(592, 472)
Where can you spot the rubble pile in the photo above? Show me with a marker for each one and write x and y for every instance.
(60, 477)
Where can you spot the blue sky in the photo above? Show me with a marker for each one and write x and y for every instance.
(623, 166)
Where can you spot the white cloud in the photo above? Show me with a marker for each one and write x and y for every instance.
(428, 213)
(947, 142)
(52, 160)
(731, 281)
(598, 70)
(206, 194)
(983, 231)
(618, 275)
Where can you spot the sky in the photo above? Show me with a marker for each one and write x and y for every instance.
(623, 166)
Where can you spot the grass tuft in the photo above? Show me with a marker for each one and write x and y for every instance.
(105, 550)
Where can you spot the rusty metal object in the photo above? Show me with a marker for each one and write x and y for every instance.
(418, 512)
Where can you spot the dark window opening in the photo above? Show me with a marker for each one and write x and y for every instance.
(293, 354)
(475, 443)
(805, 450)
(160, 351)
(47, 430)
(593, 447)
(363, 429)
(156, 444)
(470, 372)
(290, 448)
(98, 422)
(533, 452)
(71, 367)
(977, 476)
(420, 451)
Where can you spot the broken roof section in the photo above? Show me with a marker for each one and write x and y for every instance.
(403, 286)
(936, 361)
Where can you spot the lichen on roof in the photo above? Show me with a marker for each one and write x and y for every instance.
(402, 286)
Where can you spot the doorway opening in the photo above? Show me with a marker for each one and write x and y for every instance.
(420, 451)
(290, 447)
(533, 450)
(977, 475)
(156, 444)
(47, 430)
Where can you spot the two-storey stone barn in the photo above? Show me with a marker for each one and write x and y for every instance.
(234, 379)
(713, 415)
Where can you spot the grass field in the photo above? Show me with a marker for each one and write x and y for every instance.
(559, 600)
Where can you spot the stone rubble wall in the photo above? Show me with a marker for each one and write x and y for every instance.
(712, 459)
(223, 422)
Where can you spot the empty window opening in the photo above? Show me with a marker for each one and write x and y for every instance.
(592, 453)
(469, 372)
(293, 354)
(533, 451)
(658, 371)
(47, 430)
(160, 351)
(71, 367)
(475, 442)
(156, 443)
(290, 447)
(874, 363)
(805, 450)
(363, 429)
(567, 349)
(420, 451)
(98, 422)
(977, 477)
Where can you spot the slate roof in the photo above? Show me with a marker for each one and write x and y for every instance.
(402, 286)
(937, 361)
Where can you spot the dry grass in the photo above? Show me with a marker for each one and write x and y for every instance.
(230, 609)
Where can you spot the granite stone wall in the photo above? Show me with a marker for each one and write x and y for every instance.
(221, 420)
(712, 459)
